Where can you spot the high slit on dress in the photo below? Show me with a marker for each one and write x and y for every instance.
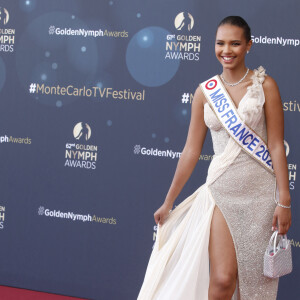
(243, 190)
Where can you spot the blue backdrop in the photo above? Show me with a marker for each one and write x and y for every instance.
(94, 110)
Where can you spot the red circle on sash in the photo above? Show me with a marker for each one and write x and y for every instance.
(210, 85)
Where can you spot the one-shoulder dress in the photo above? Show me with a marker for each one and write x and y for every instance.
(244, 191)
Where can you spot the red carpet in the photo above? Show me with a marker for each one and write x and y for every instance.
(9, 293)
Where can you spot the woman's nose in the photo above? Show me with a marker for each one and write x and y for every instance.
(227, 49)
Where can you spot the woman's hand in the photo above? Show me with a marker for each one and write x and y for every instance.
(283, 217)
(162, 213)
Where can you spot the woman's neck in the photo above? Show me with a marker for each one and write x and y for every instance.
(234, 75)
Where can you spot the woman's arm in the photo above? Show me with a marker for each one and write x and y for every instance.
(275, 132)
(189, 156)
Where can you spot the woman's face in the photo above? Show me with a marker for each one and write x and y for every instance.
(231, 46)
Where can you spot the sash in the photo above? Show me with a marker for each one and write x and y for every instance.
(226, 111)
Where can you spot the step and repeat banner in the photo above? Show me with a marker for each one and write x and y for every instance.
(95, 103)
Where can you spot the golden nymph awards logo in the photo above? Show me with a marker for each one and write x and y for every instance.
(183, 46)
(81, 155)
(7, 35)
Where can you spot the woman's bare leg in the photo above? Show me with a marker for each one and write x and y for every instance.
(222, 256)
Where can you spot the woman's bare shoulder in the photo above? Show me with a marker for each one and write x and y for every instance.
(199, 96)
(269, 83)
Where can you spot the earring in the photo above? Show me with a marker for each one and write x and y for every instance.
(247, 52)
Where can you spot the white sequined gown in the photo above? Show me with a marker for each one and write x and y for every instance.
(178, 268)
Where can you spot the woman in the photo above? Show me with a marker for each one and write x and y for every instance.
(211, 246)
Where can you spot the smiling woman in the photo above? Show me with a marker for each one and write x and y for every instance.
(211, 246)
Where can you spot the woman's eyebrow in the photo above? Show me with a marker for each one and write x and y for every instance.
(230, 41)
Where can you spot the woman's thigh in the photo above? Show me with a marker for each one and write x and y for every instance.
(222, 256)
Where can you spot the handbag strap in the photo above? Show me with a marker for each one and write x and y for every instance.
(274, 237)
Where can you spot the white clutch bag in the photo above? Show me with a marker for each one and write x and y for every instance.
(278, 257)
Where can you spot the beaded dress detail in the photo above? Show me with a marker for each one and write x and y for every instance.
(243, 190)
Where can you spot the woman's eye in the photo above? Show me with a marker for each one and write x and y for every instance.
(219, 43)
(236, 44)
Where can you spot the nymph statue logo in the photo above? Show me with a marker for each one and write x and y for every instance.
(4, 15)
(82, 131)
(184, 20)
